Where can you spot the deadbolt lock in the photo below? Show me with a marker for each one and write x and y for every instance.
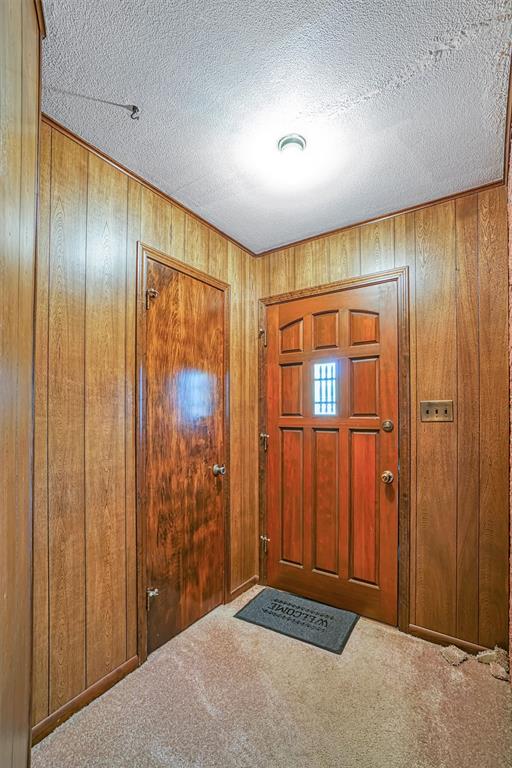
(387, 477)
(219, 469)
(388, 425)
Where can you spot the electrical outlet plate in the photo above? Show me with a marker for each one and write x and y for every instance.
(436, 410)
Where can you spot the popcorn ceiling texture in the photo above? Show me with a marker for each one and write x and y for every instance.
(401, 102)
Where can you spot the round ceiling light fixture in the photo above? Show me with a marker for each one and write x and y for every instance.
(292, 143)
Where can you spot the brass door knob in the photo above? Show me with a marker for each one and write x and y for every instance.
(387, 477)
(219, 470)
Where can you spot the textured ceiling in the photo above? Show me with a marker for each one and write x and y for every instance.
(401, 102)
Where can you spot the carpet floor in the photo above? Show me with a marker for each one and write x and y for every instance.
(228, 694)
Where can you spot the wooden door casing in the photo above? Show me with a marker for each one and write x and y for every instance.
(182, 420)
(329, 540)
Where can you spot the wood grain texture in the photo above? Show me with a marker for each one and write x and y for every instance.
(456, 255)
(154, 220)
(94, 210)
(494, 465)
(377, 246)
(436, 482)
(332, 526)
(325, 500)
(19, 129)
(468, 417)
(364, 469)
(196, 244)
(236, 389)
(184, 504)
(66, 426)
(344, 254)
(405, 256)
(40, 703)
(105, 382)
(133, 236)
(292, 496)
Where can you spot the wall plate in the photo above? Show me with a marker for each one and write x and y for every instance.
(436, 410)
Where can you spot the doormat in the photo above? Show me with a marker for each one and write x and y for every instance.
(303, 619)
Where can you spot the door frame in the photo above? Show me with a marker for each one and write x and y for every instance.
(400, 276)
(140, 427)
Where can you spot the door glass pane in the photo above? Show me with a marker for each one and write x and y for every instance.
(324, 383)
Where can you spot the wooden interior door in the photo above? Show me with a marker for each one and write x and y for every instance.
(332, 380)
(183, 415)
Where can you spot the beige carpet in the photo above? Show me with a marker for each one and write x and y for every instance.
(228, 694)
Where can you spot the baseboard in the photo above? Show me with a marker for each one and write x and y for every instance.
(243, 587)
(51, 722)
(440, 639)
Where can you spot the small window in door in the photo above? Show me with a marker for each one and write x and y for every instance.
(324, 382)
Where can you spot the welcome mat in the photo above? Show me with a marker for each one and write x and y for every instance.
(306, 620)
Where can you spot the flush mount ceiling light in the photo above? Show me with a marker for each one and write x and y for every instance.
(292, 142)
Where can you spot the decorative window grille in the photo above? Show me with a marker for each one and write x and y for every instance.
(324, 380)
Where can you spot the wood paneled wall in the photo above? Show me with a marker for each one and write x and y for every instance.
(456, 252)
(91, 217)
(19, 126)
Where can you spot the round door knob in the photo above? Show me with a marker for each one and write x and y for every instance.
(387, 477)
(219, 469)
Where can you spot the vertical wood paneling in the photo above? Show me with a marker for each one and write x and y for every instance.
(377, 246)
(304, 266)
(494, 530)
(11, 126)
(133, 236)
(105, 377)
(456, 255)
(156, 222)
(262, 265)
(468, 417)
(40, 703)
(196, 244)
(91, 385)
(436, 344)
(19, 85)
(22, 589)
(217, 255)
(177, 233)
(66, 420)
(236, 427)
(320, 264)
(344, 254)
(405, 256)
(282, 271)
(251, 446)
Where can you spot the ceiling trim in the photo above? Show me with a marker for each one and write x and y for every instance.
(40, 18)
(98, 152)
(508, 128)
(319, 236)
(375, 219)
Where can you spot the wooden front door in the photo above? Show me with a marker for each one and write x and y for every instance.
(332, 382)
(183, 412)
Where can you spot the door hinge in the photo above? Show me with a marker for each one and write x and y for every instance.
(151, 293)
(151, 592)
(262, 333)
(265, 541)
(264, 436)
